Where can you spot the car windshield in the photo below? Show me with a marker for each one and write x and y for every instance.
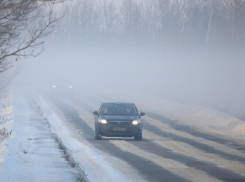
(118, 109)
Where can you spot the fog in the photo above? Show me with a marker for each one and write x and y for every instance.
(135, 65)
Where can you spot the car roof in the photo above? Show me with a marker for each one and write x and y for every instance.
(118, 103)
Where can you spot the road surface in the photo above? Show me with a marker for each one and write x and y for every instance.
(168, 151)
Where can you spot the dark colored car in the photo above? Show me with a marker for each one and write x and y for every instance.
(117, 119)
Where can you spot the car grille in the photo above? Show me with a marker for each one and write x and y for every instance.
(119, 123)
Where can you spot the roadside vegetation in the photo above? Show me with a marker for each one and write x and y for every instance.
(203, 23)
(23, 26)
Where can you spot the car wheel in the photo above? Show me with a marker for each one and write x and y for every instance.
(97, 137)
(138, 137)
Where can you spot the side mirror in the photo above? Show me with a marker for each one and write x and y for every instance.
(142, 114)
(95, 113)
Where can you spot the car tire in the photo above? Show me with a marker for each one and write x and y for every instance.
(97, 137)
(138, 137)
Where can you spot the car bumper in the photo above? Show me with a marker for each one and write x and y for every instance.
(114, 130)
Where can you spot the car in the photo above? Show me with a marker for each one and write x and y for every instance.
(62, 86)
(118, 119)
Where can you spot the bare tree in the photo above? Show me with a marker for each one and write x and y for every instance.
(5, 80)
(23, 25)
(109, 14)
(131, 17)
(150, 18)
(213, 2)
(170, 22)
(171, 13)
(187, 5)
(237, 19)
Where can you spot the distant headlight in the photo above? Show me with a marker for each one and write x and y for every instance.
(103, 121)
(70, 86)
(54, 86)
(135, 122)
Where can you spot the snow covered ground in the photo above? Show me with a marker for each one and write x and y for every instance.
(32, 152)
(6, 116)
(37, 145)
(202, 118)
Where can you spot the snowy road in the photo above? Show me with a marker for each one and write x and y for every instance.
(168, 151)
(53, 140)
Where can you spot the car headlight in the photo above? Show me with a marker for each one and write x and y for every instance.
(103, 121)
(135, 122)
(54, 86)
(70, 86)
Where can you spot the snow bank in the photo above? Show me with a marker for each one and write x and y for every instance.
(93, 164)
(6, 123)
(6, 116)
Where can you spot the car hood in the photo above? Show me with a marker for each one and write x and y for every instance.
(119, 117)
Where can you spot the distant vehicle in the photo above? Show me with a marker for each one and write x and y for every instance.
(62, 86)
(116, 119)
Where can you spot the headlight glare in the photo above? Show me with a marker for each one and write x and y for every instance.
(135, 122)
(103, 121)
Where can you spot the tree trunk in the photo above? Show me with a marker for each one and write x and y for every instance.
(210, 22)
(233, 22)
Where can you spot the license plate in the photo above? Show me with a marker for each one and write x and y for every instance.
(118, 129)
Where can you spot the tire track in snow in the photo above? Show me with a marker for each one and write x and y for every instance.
(198, 145)
(165, 127)
(190, 151)
(183, 128)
